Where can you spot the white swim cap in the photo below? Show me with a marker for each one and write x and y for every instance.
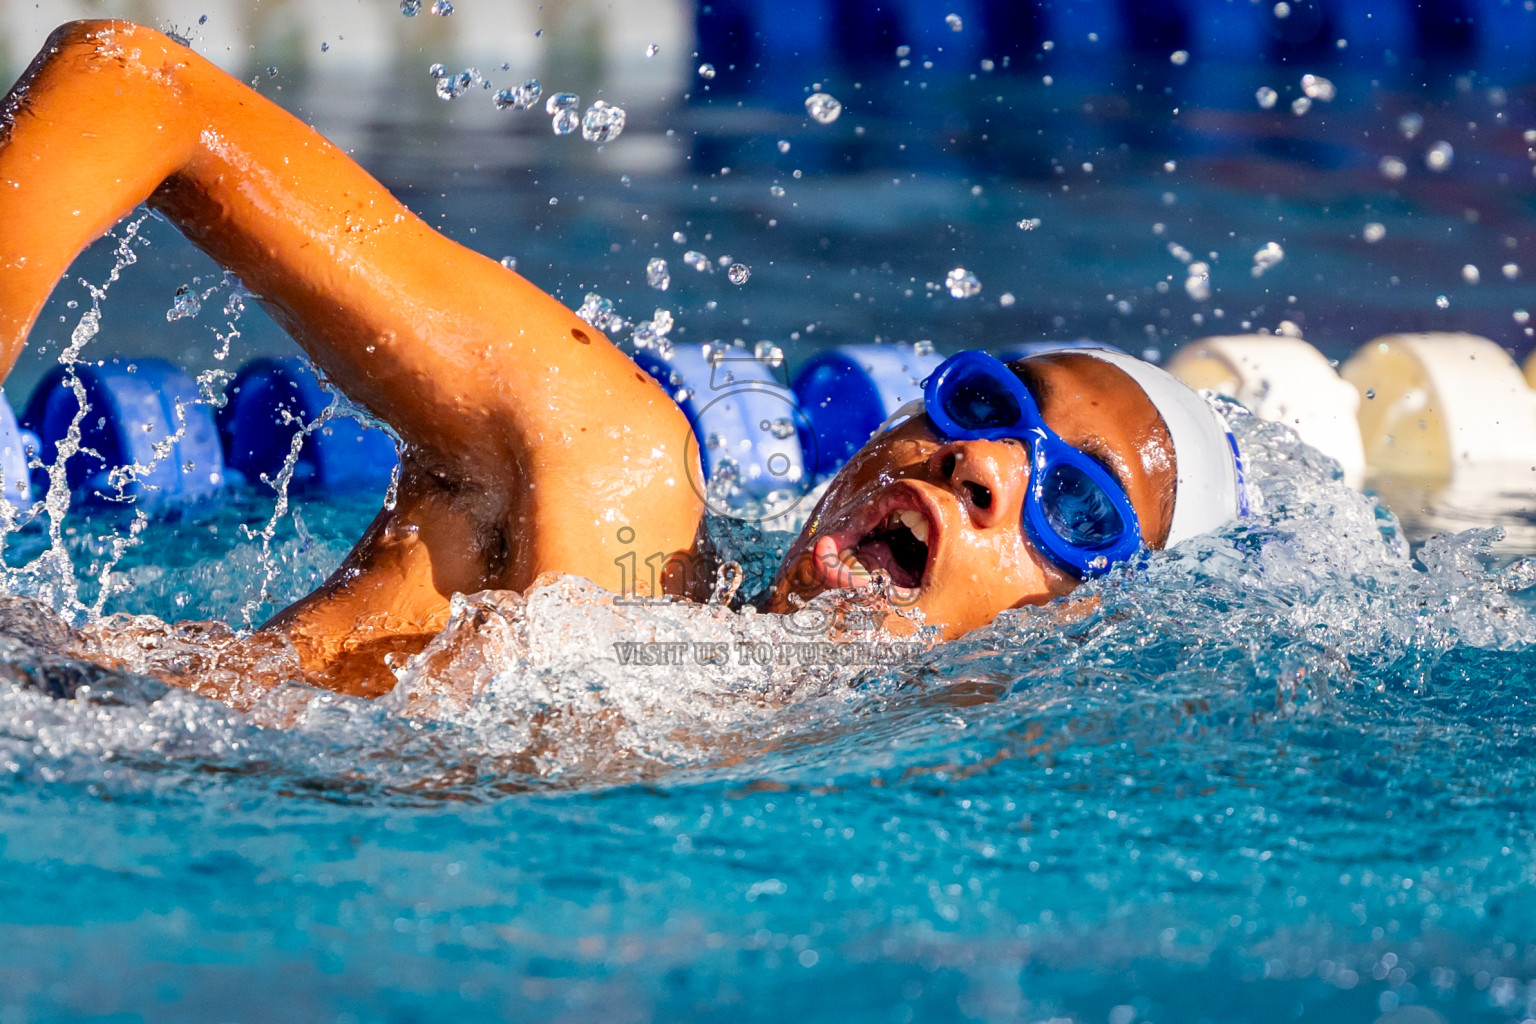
(1209, 489)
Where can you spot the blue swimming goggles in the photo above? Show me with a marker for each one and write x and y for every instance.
(1075, 511)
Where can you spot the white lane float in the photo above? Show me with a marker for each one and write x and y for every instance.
(1285, 380)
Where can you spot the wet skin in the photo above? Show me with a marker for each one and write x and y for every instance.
(962, 501)
(530, 443)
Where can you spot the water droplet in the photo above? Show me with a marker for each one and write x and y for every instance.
(1370, 393)
(1439, 156)
(903, 51)
(185, 304)
(203, 20)
(738, 273)
(782, 428)
(769, 353)
(777, 191)
(564, 122)
(437, 70)
(823, 108)
(442, 8)
(599, 312)
(520, 97)
(1266, 97)
(602, 122)
(1392, 168)
(510, 262)
(559, 101)
(1470, 274)
(451, 87)
(657, 275)
(954, 22)
(1267, 257)
(1179, 57)
(652, 50)
(1282, 10)
(922, 347)
(1197, 282)
(272, 71)
(962, 284)
(1318, 88)
(1410, 125)
(697, 260)
(783, 145)
(679, 238)
(1029, 223)
(1300, 105)
(1442, 302)
(706, 71)
(649, 333)
(1006, 299)
(1374, 232)
(325, 47)
(1522, 317)
(1511, 270)
(410, 8)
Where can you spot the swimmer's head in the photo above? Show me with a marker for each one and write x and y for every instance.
(944, 506)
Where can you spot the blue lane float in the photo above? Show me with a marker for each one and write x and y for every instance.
(271, 400)
(744, 418)
(146, 436)
(847, 392)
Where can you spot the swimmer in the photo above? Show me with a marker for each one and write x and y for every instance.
(527, 438)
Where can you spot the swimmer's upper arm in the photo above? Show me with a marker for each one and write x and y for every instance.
(486, 378)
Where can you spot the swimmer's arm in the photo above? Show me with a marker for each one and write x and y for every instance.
(488, 380)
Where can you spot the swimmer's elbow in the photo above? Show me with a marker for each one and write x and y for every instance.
(95, 43)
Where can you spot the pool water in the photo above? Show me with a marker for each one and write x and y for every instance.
(1281, 773)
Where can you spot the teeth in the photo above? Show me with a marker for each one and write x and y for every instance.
(915, 522)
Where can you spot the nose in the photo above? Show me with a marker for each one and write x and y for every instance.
(988, 477)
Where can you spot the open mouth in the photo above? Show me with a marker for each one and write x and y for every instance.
(899, 545)
(897, 536)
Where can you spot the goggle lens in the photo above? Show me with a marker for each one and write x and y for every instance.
(1078, 509)
(980, 402)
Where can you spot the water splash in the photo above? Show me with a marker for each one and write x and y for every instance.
(51, 576)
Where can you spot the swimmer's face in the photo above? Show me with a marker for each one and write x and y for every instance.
(944, 518)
